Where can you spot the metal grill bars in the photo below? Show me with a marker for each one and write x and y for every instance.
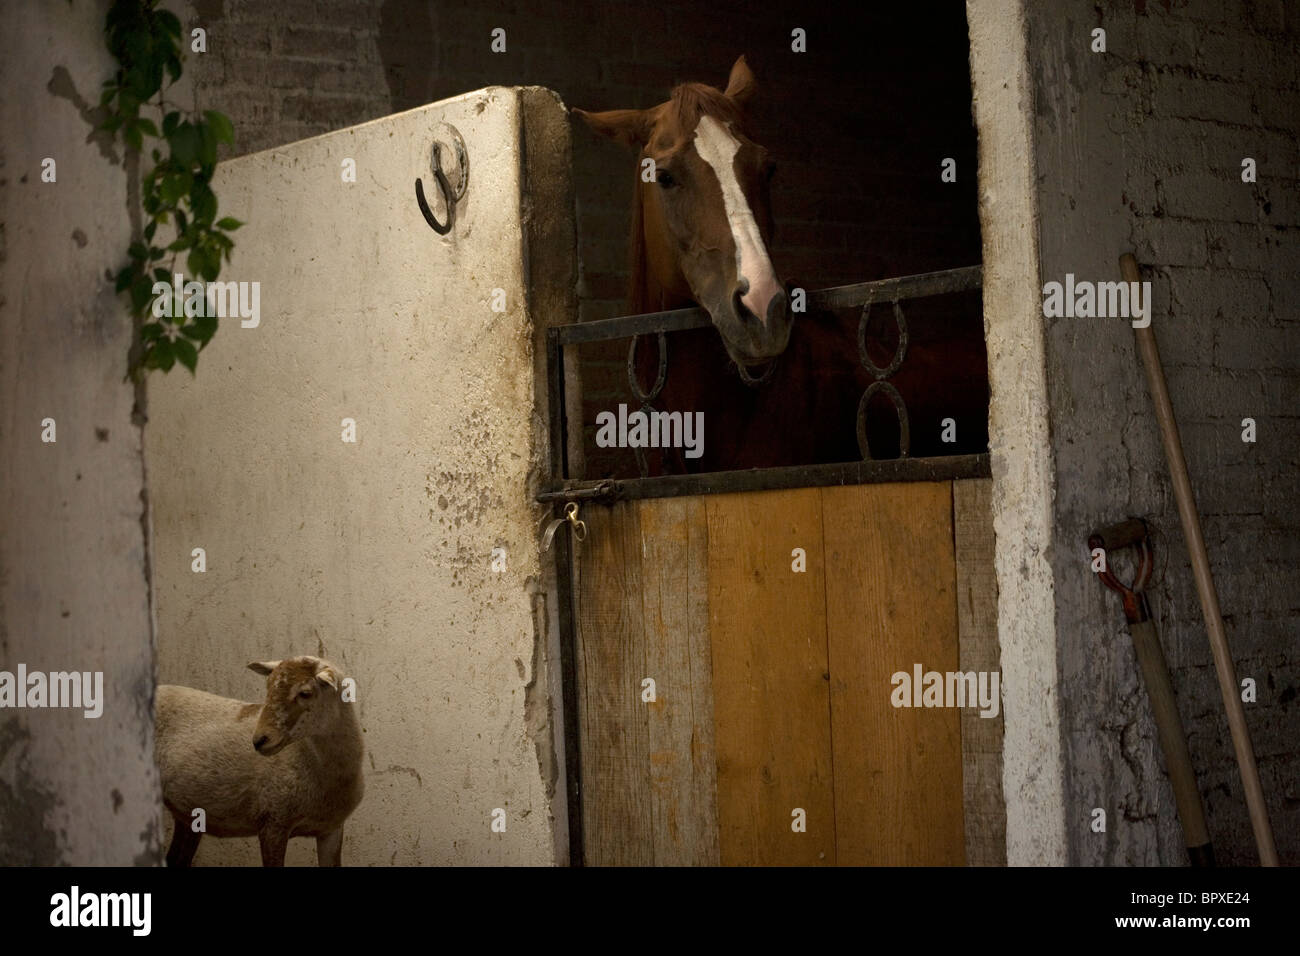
(863, 294)
(836, 297)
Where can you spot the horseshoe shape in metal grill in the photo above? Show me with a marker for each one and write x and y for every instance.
(881, 385)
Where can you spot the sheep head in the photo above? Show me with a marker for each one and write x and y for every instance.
(299, 690)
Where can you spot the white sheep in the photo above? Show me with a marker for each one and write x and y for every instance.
(288, 767)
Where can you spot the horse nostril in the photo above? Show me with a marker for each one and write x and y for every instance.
(742, 310)
(260, 742)
(779, 306)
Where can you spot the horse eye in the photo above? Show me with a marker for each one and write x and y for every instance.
(664, 178)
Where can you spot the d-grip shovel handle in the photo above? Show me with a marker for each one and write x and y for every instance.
(1131, 532)
(1119, 535)
(1155, 676)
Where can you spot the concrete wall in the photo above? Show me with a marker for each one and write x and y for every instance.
(73, 533)
(1023, 476)
(1140, 148)
(378, 554)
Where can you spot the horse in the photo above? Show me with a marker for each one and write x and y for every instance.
(776, 387)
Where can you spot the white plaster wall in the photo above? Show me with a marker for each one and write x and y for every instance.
(1023, 476)
(73, 561)
(375, 554)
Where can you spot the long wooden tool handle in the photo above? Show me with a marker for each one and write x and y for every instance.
(1155, 674)
(1228, 687)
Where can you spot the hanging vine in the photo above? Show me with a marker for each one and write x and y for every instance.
(176, 192)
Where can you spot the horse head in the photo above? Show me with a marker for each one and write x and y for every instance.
(705, 215)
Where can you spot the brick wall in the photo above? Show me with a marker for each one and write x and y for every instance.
(1140, 148)
(859, 123)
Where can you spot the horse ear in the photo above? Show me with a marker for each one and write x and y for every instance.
(629, 127)
(741, 84)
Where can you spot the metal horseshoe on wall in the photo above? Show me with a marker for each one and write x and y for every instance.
(449, 196)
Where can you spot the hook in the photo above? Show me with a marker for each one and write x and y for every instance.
(570, 516)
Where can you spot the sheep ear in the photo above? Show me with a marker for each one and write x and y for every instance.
(327, 675)
(263, 667)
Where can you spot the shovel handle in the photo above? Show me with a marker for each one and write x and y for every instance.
(1173, 742)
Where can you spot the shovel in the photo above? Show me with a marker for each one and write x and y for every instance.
(1155, 675)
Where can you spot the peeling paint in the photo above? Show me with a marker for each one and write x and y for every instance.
(25, 840)
(62, 87)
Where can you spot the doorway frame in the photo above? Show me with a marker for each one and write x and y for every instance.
(560, 490)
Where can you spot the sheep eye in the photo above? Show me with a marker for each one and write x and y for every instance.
(304, 694)
(665, 178)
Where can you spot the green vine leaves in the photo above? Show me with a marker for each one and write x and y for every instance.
(175, 192)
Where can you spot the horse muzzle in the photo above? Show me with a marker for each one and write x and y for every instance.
(755, 341)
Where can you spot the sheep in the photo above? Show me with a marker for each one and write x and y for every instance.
(288, 767)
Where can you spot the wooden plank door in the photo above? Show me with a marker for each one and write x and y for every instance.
(648, 772)
(770, 681)
(891, 604)
(771, 623)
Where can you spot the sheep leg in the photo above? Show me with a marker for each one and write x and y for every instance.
(329, 848)
(273, 842)
(185, 842)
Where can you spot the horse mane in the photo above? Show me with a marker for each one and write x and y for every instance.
(688, 102)
(638, 296)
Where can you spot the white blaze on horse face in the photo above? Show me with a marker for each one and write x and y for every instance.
(718, 148)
